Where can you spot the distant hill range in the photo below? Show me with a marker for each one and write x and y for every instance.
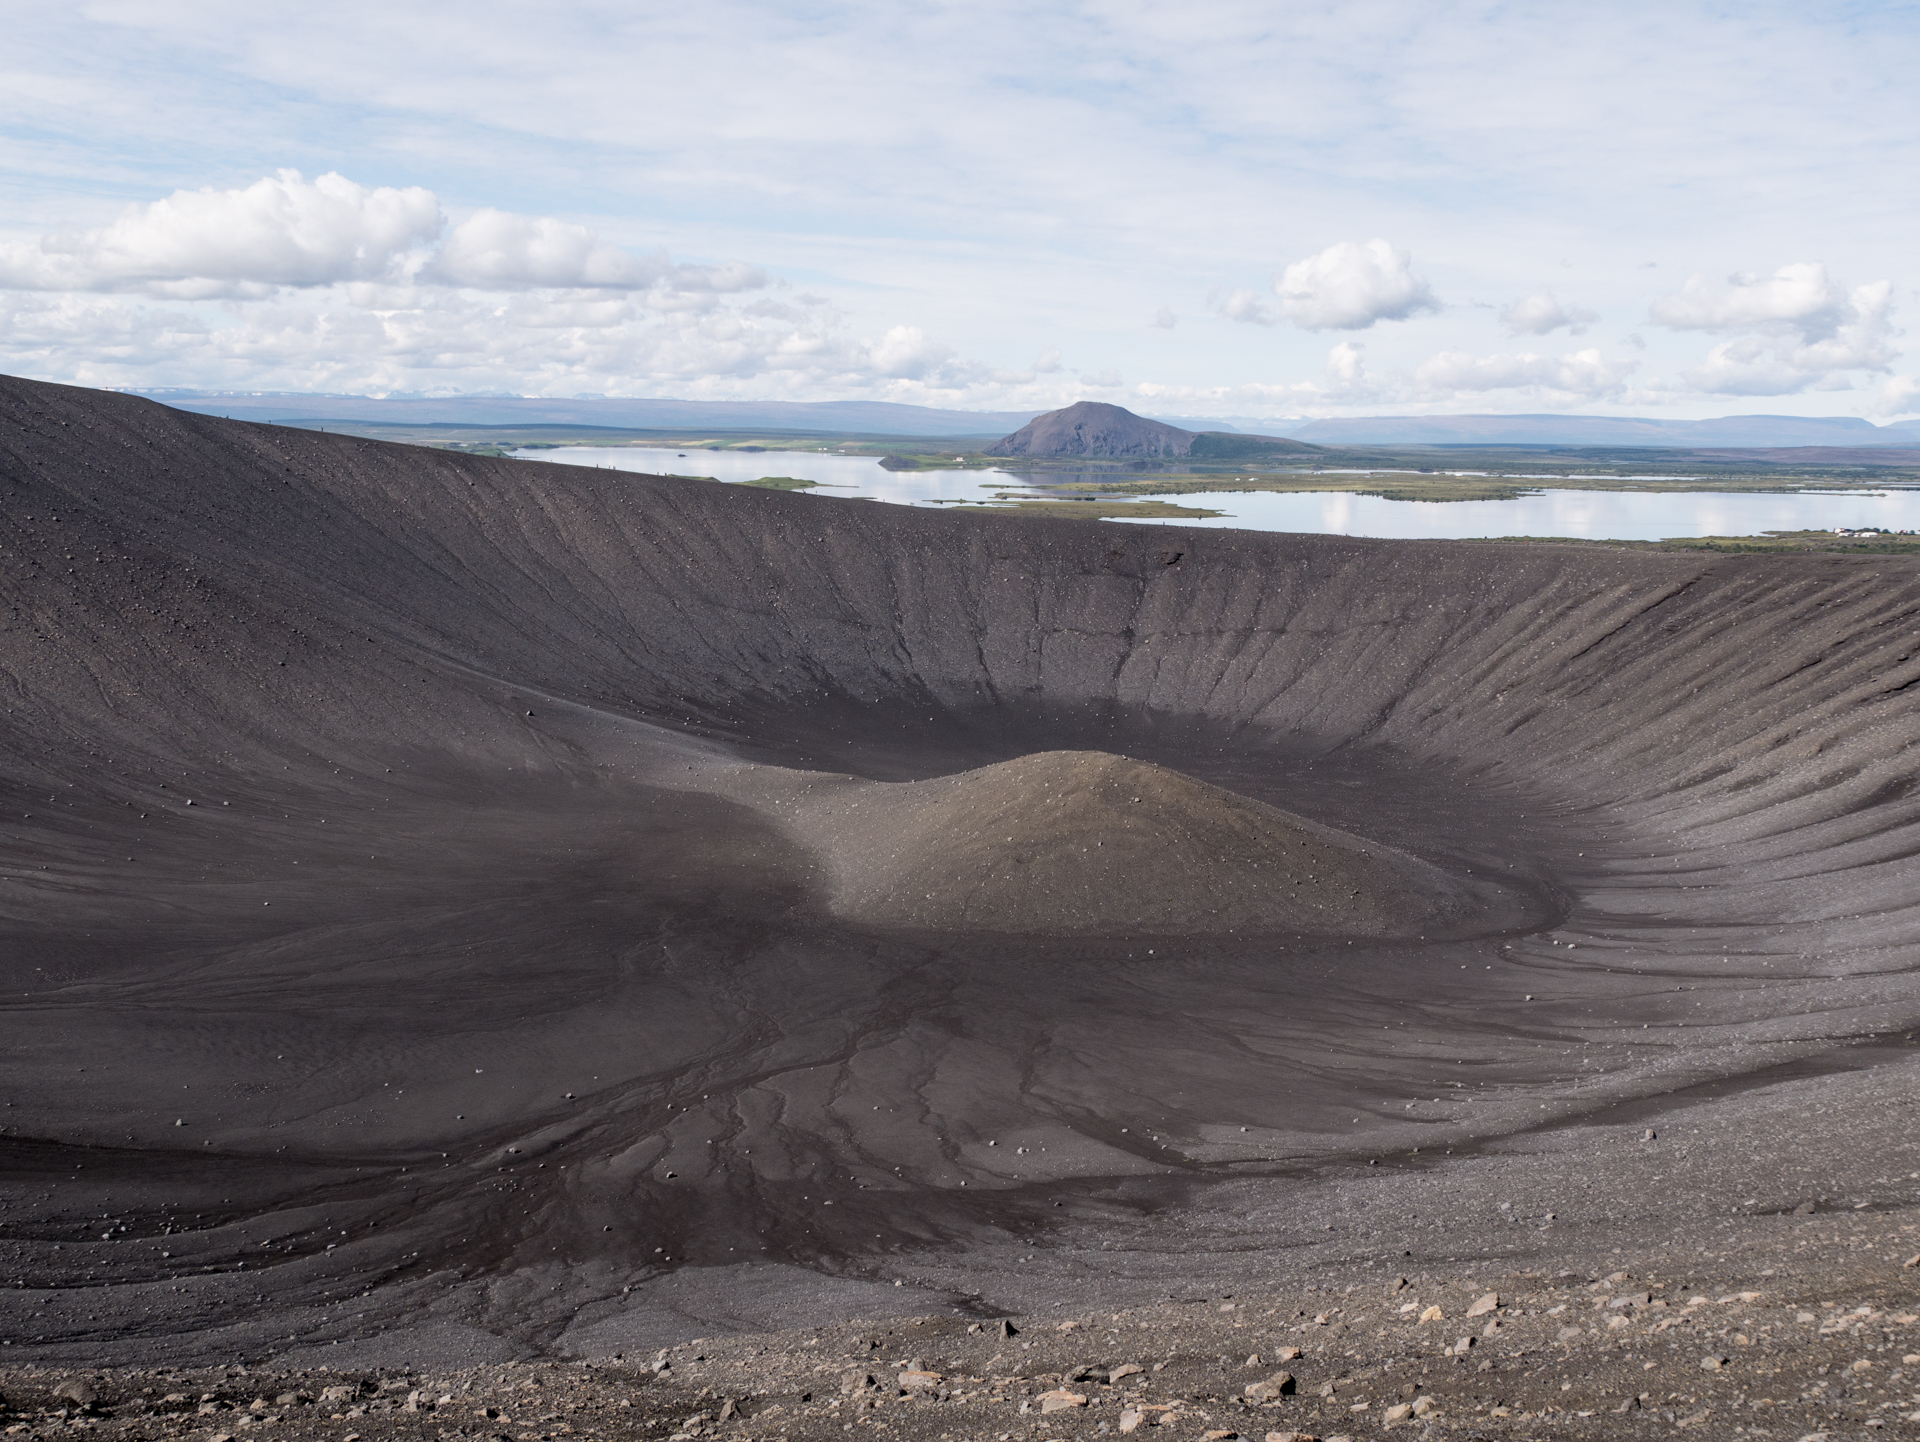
(871, 418)
(1744, 432)
(1094, 430)
(886, 418)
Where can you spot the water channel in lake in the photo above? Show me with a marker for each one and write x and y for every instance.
(1592, 515)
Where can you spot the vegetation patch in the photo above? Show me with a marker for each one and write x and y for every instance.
(1871, 541)
(1222, 446)
(1101, 508)
(1390, 487)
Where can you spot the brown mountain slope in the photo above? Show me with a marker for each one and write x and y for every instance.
(1089, 428)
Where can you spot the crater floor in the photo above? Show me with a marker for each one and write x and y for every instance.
(1087, 843)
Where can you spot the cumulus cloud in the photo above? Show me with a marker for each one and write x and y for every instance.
(1900, 396)
(496, 250)
(330, 285)
(1754, 366)
(907, 353)
(1164, 319)
(1541, 314)
(1245, 306)
(1862, 339)
(288, 232)
(548, 342)
(1587, 374)
(1344, 382)
(1580, 376)
(1801, 330)
(1350, 286)
(280, 231)
(1801, 296)
(1346, 364)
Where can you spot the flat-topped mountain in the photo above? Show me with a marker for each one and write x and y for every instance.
(1094, 429)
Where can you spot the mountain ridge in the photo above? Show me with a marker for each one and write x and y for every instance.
(897, 418)
(1721, 432)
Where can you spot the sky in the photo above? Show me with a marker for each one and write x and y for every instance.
(1209, 209)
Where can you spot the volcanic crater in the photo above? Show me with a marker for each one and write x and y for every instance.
(514, 909)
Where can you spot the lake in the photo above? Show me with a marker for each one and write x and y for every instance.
(847, 475)
(1594, 515)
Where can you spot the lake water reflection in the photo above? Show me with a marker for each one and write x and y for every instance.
(843, 475)
(1596, 515)
(1590, 515)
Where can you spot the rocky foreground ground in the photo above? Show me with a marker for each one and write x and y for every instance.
(1807, 1327)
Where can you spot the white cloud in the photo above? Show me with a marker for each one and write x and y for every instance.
(1346, 384)
(1899, 396)
(286, 231)
(1585, 374)
(1861, 340)
(1802, 330)
(495, 250)
(550, 342)
(1345, 364)
(1751, 366)
(886, 156)
(1541, 314)
(1344, 381)
(1350, 286)
(1245, 306)
(280, 231)
(330, 285)
(1746, 367)
(1801, 296)
(906, 352)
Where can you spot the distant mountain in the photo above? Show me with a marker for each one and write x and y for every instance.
(876, 418)
(1089, 428)
(1092, 429)
(885, 418)
(1559, 430)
